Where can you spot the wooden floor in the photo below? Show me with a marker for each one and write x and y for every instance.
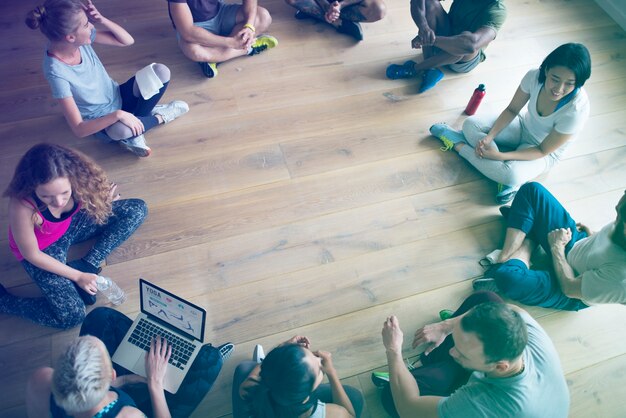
(302, 193)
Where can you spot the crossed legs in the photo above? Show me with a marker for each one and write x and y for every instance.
(216, 54)
(534, 213)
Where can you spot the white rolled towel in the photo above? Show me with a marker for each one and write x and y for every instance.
(148, 82)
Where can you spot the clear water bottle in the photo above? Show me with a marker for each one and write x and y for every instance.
(111, 290)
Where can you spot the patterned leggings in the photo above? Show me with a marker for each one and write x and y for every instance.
(61, 306)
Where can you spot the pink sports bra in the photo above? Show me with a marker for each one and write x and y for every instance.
(50, 230)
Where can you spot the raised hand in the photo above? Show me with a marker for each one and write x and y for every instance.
(432, 335)
(333, 12)
(92, 13)
(392, 334)
(300, 340)
(559, 238)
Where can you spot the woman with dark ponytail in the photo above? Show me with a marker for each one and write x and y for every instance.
(288, 384)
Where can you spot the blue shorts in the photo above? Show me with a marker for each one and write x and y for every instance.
(223, 22)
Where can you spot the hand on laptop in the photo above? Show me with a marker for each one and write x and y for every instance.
(156, 361)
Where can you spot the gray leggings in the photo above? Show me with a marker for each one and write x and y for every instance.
(61, 306)
(512, 137)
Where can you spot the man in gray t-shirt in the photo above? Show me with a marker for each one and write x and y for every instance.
(515, 368)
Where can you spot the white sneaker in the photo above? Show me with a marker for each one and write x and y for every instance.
(136, 145)
(171, 111)
(258, 354)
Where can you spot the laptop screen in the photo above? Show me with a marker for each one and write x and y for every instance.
(166, 307)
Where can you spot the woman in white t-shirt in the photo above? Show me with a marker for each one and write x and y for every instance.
(517, 146)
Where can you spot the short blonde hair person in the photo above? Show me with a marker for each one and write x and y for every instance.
(82, 376)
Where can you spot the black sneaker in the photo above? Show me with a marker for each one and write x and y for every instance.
(209, 69)
(300, 15)
(505, 210)
(351, 28)
(485, 284)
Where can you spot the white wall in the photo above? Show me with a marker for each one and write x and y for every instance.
(615, 9)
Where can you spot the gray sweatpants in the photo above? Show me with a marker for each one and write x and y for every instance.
(512, 137)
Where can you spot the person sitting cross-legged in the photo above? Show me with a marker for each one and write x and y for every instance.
(587, 268)
(288, 383)
(211, 31)
(490, 360)
(456, 39)
(343, 15)
(87, 383)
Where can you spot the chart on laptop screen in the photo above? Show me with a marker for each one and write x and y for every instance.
(172, 310)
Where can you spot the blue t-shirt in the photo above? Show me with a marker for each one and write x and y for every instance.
(94, 92)
(540, 391)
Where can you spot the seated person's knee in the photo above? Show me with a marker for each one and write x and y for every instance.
(292, 3)
(432, 6)
(263, 20)
(74, 315)
(509, 274)
(530, 187)
(376, 11)
(118, 131)
(162, 71)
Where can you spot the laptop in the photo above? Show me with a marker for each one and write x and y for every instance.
(164, 314)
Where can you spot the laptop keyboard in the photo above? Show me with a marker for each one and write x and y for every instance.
(146, 331)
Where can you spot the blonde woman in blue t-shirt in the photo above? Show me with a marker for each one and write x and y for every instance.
(93, 103)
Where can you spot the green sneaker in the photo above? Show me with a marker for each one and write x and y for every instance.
(445, 314)
(262, 43)
(380, 379)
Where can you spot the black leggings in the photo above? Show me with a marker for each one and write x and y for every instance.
(61, 306)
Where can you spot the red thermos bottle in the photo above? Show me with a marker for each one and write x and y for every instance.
(475, 100)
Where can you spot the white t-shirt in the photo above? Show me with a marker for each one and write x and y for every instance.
(602, 265)
(569, 119)
(540, 391)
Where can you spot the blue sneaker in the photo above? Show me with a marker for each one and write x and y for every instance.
(447, 135)
(397, 71)
(430, 78)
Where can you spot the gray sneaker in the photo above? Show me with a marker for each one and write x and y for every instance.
(485, 284)
(136, 145)
(171, 111)
(258, 354)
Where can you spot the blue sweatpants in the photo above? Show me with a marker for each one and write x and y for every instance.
(536, 212)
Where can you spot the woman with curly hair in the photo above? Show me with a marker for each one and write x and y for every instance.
(93, 103)
(59, 197)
